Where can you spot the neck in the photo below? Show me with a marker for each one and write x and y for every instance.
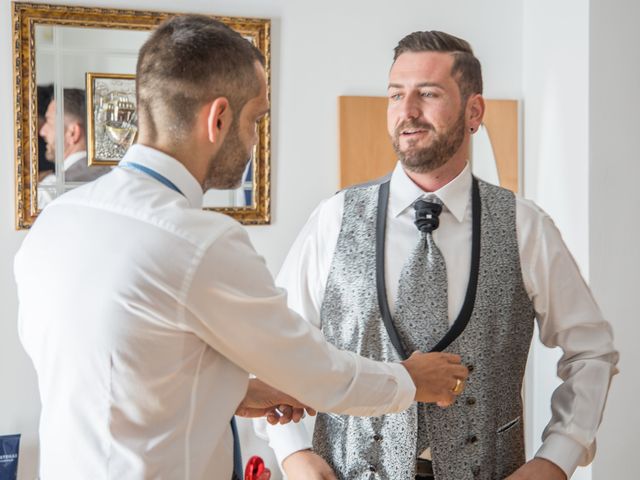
(74, 149)
(194, 163)
(438, 178)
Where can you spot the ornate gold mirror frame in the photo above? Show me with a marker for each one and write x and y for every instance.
(25, 18)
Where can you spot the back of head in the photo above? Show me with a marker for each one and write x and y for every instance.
(466, 67)
(190, 60)
(45, 95)
(75, 106)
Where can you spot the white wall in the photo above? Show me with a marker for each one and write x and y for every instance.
(614, 98)
(319, 51)
(556, 166)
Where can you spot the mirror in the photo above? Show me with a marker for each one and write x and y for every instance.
(78, 65)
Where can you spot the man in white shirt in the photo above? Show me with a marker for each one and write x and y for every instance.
(143, 314)
(520, 270)
(74, 140)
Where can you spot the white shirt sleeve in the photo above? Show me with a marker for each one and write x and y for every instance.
(569, 318)
(235, 307)
(304, 275)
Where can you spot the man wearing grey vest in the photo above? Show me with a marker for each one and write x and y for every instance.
(431, 258)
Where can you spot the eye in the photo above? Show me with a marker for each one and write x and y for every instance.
(395, 97)
(428, 95)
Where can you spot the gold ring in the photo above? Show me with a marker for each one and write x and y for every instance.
(459, 386)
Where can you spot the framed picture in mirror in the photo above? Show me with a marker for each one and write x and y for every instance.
(112, 125)
(76, 62)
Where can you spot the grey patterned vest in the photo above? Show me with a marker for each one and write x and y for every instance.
(481, 435)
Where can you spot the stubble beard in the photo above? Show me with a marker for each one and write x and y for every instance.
(227, 166)
(442, 148)
(50, 151)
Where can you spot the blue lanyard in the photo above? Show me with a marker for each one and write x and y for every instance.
(152, 173)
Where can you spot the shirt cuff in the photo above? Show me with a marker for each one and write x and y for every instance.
(406, 392)
(288, 439)
(564, 452)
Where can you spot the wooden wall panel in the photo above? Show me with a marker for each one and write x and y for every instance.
(365, 148)
(501, 122)
(366, 152)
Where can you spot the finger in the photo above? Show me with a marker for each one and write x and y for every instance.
(451, 357)
(273, 417)
(459, 371)
(458, 387)
(286, 413)
(266, 475)
(311, 411)
(297, 415)
(447, 400)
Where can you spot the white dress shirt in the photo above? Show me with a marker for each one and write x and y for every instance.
(566, 313)
(143, 313)
(47, 194)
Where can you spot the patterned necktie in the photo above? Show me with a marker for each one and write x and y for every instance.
(421, 317)
(421, 307)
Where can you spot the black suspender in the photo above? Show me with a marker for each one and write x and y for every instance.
(467, 308)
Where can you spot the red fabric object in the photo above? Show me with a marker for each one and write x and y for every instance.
(256, 470)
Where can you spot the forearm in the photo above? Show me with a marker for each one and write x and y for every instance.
(576, 411)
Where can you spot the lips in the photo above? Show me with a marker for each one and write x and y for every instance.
(412, 131)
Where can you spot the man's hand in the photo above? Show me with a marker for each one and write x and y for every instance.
(306, 465)
(538, 469)
(262, 400)
(435, 375)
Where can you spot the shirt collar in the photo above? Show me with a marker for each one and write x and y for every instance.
(168, 167)
(73, 158)
(455, 195)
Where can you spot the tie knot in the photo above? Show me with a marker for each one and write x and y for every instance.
(427, 213)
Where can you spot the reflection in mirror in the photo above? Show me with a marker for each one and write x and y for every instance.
(63, 56)
(66, 58)
(78, 61)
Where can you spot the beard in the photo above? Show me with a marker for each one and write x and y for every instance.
(50, 151)
(439, 151)
(228, 164)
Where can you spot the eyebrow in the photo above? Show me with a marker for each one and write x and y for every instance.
(419, 85)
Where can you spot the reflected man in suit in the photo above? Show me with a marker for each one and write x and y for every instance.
(75, 164)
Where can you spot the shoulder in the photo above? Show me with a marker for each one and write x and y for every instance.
(366, 187)
(529, 213)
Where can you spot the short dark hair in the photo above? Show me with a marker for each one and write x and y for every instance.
(466, 67)
(75, 106)
(45, 95)
(190, 60)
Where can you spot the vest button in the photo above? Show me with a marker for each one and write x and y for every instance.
(372, 468)
(475, 471)
(472, 439)
(470, 367)
(377, 437)
(471, 400)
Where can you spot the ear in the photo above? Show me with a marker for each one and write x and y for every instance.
(475, 112)
(74, 133)
(218, 119)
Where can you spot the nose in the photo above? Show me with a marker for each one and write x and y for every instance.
(409, 108)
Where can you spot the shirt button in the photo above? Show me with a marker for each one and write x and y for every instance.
(471, 400)
(377, 437)
(372, 468)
